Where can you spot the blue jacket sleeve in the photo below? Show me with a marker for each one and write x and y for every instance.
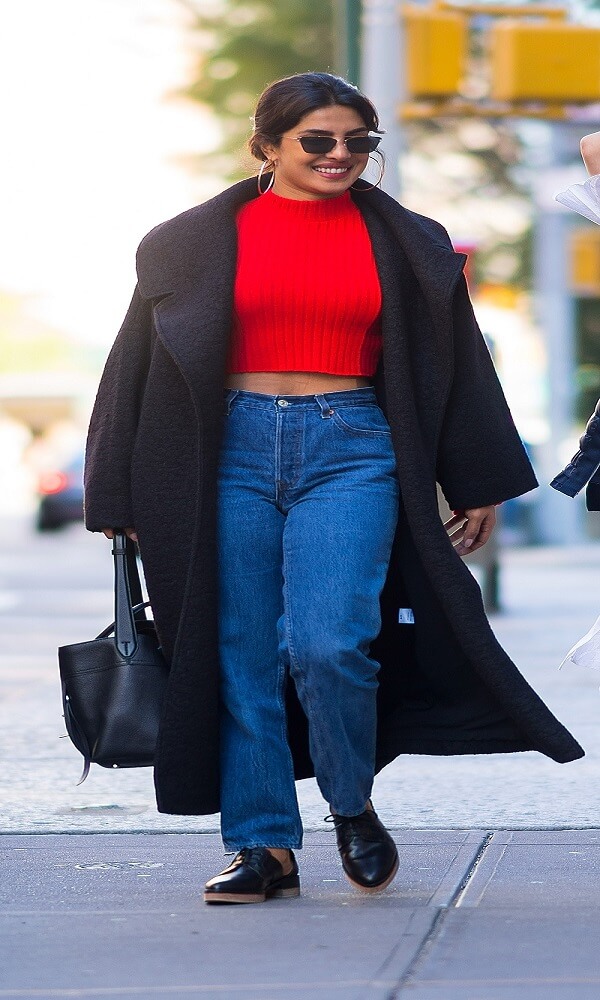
(584, 466)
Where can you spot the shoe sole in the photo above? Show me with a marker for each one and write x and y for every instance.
(260, 897)
(380, 886)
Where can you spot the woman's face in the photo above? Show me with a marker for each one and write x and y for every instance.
(310, 176)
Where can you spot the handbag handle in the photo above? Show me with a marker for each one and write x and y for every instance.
(127, 580)
(104, 634)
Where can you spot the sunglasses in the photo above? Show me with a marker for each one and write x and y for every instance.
(325, 143)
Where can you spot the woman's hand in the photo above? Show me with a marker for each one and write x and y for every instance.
(130, 532)
(469, 531)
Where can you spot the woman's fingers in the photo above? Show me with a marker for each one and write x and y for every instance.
(453, 521)
(456, 536)
(130, 532)
(474, 532)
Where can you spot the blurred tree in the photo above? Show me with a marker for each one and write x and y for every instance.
(243, 46)
(472, 175)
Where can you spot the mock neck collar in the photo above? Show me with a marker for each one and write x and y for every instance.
(305, 209)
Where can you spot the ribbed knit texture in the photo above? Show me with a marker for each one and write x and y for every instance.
(307, 295)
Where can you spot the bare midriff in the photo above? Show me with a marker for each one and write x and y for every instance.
(295, 383)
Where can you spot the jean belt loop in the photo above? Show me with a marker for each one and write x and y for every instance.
(326, 410)
(229, 398)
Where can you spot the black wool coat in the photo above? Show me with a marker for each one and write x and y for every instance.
(446, 685)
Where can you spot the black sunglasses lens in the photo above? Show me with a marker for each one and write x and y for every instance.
(363, 143)
(325, 143)
(317, 143)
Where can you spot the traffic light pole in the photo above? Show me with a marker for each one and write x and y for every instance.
(382, 79)
(347, 39)
(559, 521)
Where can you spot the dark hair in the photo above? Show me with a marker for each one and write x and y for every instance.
(285, 102)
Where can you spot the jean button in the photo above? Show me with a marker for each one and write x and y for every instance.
(282, 402)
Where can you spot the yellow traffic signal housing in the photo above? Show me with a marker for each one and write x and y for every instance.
(585, 262)
(545, 61)
(436, 46)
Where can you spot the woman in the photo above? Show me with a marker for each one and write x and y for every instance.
(290, 536)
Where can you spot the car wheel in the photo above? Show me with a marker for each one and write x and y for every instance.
(43, 524)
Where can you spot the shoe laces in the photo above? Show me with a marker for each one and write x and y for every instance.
(365, 825)
(258, 858)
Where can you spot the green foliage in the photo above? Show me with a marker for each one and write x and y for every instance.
(244, 45)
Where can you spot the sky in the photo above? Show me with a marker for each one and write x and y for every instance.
(93, 145)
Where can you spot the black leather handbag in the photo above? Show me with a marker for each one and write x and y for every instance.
(113, 686)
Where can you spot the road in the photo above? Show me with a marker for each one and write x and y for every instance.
(56, 589)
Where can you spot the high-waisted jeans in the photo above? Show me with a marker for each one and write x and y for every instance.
(307, 507)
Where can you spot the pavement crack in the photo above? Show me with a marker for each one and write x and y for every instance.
(469, 875)
(439, 919)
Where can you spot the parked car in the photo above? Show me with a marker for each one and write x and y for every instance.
(61, 496)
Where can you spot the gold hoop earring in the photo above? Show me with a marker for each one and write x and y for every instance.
(259, 178)
(379, 179)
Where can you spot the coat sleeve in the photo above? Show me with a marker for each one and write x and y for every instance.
(481, 459)
(114, 420)
(583, 467)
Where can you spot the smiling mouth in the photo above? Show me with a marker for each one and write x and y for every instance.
(332, 171)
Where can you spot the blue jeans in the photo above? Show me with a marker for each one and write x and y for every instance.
(307, 508)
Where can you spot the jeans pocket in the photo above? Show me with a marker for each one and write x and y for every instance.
(362, 420)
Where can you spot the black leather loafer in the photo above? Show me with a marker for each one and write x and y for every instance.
(253, 876)
(369, 855)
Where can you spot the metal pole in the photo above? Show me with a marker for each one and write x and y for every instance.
(558, 519)
(381, 78)
(346, 20)
(353, 8)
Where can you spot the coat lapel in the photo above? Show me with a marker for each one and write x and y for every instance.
(188, 265)
(426, 246)
(414, 460)
(416, 320)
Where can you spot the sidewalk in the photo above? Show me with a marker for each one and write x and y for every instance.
(471, 916)
(498, 892)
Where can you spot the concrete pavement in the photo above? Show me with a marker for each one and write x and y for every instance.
(472, 915)
(497, 895)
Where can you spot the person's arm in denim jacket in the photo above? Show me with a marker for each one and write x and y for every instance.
(584, 467)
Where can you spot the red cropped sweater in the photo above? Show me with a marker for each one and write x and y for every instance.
(307, 295)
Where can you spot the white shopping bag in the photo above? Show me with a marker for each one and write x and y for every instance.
(586, 652)
(583, 198)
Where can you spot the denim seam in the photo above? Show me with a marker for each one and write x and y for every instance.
(289, 629)
(281, 678)
(280, 665)
(277, 469)
(359, 431)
